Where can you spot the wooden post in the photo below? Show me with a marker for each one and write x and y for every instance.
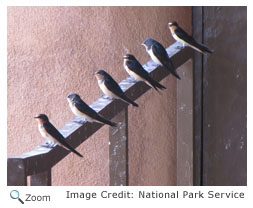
(16, 172)
(41, 179)
(118, 151)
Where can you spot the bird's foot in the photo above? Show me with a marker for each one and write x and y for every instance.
(80, 121)
(107, 97)
(180, 47)
(133, 81)
(49, 144)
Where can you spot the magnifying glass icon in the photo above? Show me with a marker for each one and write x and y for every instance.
(15, 195)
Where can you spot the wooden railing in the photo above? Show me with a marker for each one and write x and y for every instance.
(38, 163)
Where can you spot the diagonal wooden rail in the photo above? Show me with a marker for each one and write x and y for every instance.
(39, 162)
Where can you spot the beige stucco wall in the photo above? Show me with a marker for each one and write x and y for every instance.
(53, 51)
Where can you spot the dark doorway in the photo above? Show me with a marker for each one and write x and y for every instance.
(220, 97)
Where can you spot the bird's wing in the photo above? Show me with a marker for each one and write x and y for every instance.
(137, 68)
(184, 36)
(85, 109)
(190, 40)
(113, 86)
(58, 136)
(54, 132)
(160, 52)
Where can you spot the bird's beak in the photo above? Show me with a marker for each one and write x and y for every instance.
(36, 116)
(143, 44)
(125, 57)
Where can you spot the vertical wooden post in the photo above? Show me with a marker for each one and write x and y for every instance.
(118, 151)
(185, 126)
(41, 179)
(197, 16)
(16, 172)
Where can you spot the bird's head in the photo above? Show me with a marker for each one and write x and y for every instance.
(171, 24)
(100, 74)
(41, 118)
(71, 97)
(128, 57)
(148, 43)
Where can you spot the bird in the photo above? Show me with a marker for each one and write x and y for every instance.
(135, 70)
(48, 131)
(180, 35)
(159, 55)
(80, 108)
(111, 88)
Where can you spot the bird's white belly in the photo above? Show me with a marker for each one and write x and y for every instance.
(153, 57)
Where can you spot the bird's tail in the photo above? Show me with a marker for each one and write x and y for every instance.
(206, 49)
(105, 121)
(202, 48)
(128, 100)
(77, 153)
(171, 68)
(66, 145)
(173, 72)
(155, 84)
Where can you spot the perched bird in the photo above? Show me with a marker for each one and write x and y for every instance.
(159, 55)
(135, 70)
(111, 88)
(48, 131)
(180, 35)
(80, 108)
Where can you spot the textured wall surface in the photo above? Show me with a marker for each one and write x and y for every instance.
(53, 51)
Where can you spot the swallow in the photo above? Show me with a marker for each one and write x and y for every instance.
(159, 55)
(48, 131)
(80, 108)
(180, 35)
(111, 88)
(135, 70)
